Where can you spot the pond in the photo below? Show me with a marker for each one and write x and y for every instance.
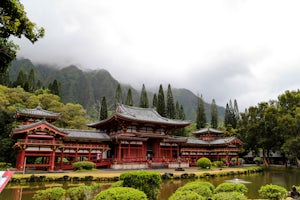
(285, 178)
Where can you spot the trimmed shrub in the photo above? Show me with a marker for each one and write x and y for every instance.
(83, 165)
(204, 163)
(80, 192)
(148, 182)
(231, 187)
(258, 160)
(186, 195)
(56, 193)
(204, 189)
(229, 196)
(218, 164)
(121, 193)
(117, 184)
(271, 191)
(5, 166)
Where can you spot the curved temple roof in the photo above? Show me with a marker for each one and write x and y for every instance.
(141, 115)
(37, 112)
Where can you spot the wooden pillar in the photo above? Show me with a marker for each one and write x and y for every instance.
(61, 157)
(178, 151)
(128, 151)
(21, 157)
(119, 151)
(171, 151)
(52, 159)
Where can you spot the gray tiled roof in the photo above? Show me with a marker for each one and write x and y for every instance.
(85, 134)
(22, 127)
(208, 130)
(146, 114)
(37, 112)
(217, 141)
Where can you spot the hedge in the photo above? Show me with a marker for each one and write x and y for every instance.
(121, 193)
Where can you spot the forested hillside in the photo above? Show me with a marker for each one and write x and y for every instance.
(87, 87)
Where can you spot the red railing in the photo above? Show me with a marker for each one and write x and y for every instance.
(39, 142)
(84, 146)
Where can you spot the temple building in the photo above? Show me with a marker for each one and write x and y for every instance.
(132, 138)
(41, 145)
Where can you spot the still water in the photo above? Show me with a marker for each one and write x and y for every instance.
(280, 177)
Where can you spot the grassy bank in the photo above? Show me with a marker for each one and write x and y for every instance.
(113, 175)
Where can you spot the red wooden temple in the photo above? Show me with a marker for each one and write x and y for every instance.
(132, 138)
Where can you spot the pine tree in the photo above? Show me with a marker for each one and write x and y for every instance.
(129, 100)
(31, 80)
(144, 103)
(214, 114)
(201, 116)
(54, 87)
(236, 110)
(177, 110)
(4, 78)
(181, 113)
(161, 105)
(21, 79)
(154, 101)
(103, 110)
(170, 104)
(231, 115)
(118, 95)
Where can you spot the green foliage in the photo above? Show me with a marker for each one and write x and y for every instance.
(231, 187)
(4, 166)
(229, 196)
(170, 111)
(218, 164)
(200, 116)
(161, 104)
(148, 182)
(204, 189)
(214, 114)
(204, 163)
(129, 99)
(258, 160)
(80, 192)
(121, 193)
(14, 22)
(56, 193)
(103, 109)
(186, 195)
(144, 102)
(83, 165)
(271, 191)
(117, 184)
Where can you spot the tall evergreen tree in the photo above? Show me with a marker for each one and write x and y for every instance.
(177, 110)
(201, 116)
(118, 95)
(31, 80)
(4, 78)
(161, 105)
(54, 87)
(181, 113)
(103, 110)
(154, 101)
(214, 114)
(170, 104)
(129, 100)
(236, 110)
(21, 79)
(144, 103)
(230, 118)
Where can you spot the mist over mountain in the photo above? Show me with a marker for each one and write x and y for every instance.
(86, 87)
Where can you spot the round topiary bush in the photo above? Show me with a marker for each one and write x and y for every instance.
(186, 195)
(83, 165)
(204, 189)
(56, 193)
(204, 163)
(121, 193)
(229, 196)
(231, 187)
(271, 191)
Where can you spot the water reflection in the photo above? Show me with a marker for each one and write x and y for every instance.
(238, 180)
(283, 178)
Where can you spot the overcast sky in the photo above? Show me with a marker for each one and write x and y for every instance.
(243, 50)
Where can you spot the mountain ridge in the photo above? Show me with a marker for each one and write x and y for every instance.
(86, 87)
